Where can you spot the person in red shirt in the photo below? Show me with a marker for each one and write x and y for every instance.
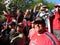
(56, 22)
(42, 37)
(8, 18)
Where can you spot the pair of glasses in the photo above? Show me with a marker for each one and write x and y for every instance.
(44, 7)
(57, 6)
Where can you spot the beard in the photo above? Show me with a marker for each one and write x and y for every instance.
(41, 31)
(59, 11)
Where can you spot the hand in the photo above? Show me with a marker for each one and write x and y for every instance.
(39, 4)
(4, 12)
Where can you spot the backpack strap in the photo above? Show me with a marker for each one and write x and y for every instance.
(54, 43)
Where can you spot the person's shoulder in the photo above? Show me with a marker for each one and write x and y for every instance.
(49, 33)
(52, 37)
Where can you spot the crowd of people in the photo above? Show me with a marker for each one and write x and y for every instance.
(31, 27)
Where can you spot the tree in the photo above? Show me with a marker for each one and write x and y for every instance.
(2, 7)
(26, 4)
(50, 5)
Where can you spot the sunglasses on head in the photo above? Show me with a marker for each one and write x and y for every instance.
(44, 7)
(57, 6)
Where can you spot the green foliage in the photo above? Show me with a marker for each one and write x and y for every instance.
(24, 4)
(2, 18)
(2, 7)
(50, 5)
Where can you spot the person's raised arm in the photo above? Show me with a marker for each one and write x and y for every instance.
(37, 5)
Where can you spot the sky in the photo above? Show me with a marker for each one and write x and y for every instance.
(54, 1)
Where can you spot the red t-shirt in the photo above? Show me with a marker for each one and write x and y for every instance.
(24, 22)
(56, 21)
(32, 32)
(9, 19)
(42, 39)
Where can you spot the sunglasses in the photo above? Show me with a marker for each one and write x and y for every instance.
(57, 6)
(44, 7)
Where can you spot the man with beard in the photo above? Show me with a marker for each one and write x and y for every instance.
(56, 22)
(42, 37)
